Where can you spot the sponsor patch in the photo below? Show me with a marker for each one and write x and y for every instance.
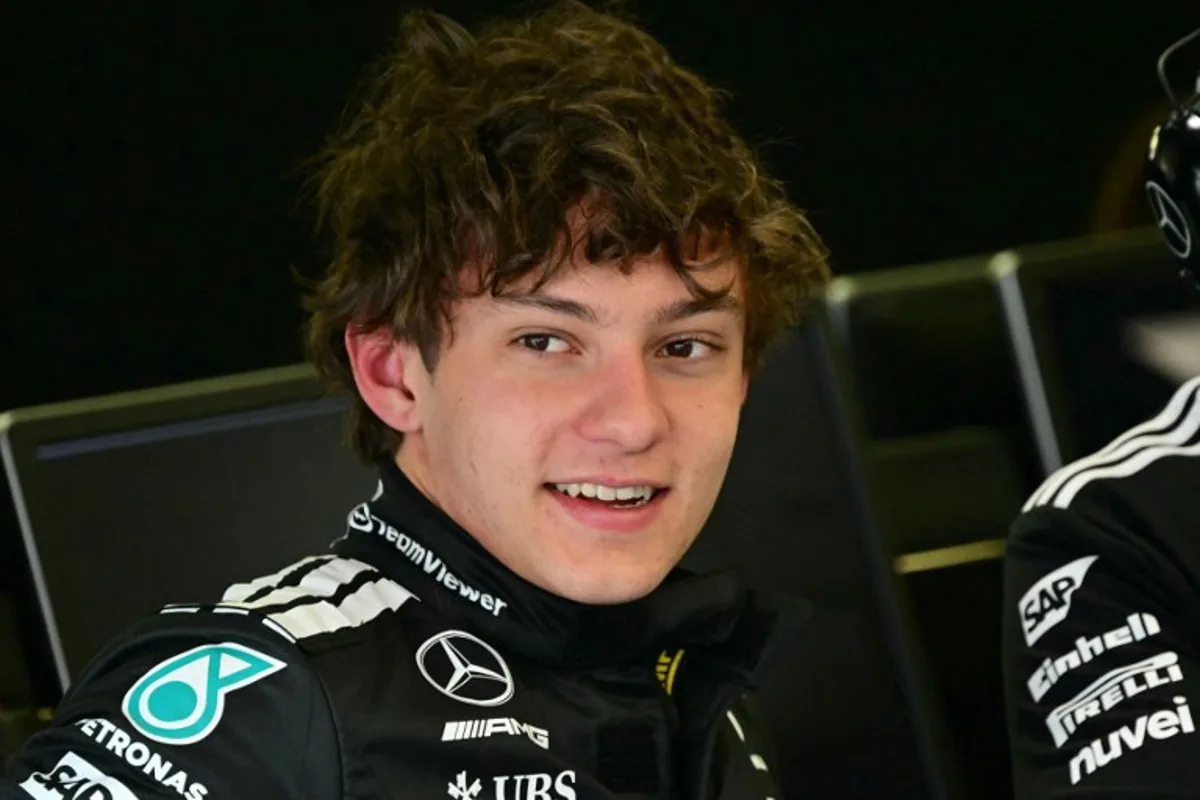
(74, 777)
(534, 786)
(431, 564)
(1155, 726)
(1048, 602)
(181, 700)
(497, 726)
(1136, 628)
(1110, 690)
(465, 668)
(140, 757)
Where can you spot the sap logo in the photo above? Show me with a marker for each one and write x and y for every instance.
(1048, 601)
(75, 779)
(484, 728)
(137, 755)
(1158, 725)
(538, 786)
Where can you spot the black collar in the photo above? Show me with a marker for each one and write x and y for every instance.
(405, 536)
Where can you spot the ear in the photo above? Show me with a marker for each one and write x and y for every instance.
(745, 386)
(390, 375)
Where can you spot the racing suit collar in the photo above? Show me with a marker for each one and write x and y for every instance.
(404, 535)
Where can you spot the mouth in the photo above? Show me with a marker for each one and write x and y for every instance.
(624, 497)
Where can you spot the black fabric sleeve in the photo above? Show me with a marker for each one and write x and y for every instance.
(195, 704)
(1100, 663)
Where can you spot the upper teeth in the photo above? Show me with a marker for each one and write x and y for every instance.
(606, 493)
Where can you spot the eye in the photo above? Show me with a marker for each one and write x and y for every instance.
(689, 349)
(543, 343)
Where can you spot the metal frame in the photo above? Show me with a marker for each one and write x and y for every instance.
(29, 436)
(1020, 277)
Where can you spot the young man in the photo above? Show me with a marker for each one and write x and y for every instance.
(555, 265)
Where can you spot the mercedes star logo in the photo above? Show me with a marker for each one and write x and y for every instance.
(1170, 220)
(465, 668)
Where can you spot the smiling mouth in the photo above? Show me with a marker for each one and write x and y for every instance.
(622, 497)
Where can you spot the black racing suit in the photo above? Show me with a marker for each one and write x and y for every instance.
(1102, 619)
(408, 663)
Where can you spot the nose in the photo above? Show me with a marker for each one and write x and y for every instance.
(627, 409)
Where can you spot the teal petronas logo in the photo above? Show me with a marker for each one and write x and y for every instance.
(182, 700)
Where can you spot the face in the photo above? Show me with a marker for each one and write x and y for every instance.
(581, 433)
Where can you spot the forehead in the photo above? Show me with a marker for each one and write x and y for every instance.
(647, 273)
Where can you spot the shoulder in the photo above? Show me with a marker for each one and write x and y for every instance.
(317, 601)
(228, 698)
(278, 624)
(1140, 485)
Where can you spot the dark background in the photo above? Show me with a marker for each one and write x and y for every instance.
(150, 177)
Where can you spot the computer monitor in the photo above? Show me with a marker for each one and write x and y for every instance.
(927, 352)
(128, 502)
(1095, 325)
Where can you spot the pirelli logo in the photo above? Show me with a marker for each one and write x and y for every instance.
(497, 726)
(1110, 690)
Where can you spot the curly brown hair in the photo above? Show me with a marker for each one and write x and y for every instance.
(467, 144)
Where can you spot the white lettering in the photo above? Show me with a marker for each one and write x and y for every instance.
(1084, 763)
(1185, 715)
(427, 560)
(499, 725)
(1110, 689)
(1136, 628)
(178, 782)
(157, 768)
(1158, 726)
(503, 726)
(1133, 739)
(106, 728)
(75, 777)
(120, 740)
(538, 786)
(1162, 725)
(139, 756)
(1048, 602)
(1087, 649)
(1117, 637)
(565, 790)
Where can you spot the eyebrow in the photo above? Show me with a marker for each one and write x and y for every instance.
(679, 310)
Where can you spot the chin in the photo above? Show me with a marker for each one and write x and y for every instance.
(603, 590)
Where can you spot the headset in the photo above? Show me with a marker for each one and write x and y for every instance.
(1172, 173)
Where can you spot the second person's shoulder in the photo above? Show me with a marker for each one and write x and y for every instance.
(1146, 478)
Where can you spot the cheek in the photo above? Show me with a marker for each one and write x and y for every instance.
(507, 426)
(710, 422)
